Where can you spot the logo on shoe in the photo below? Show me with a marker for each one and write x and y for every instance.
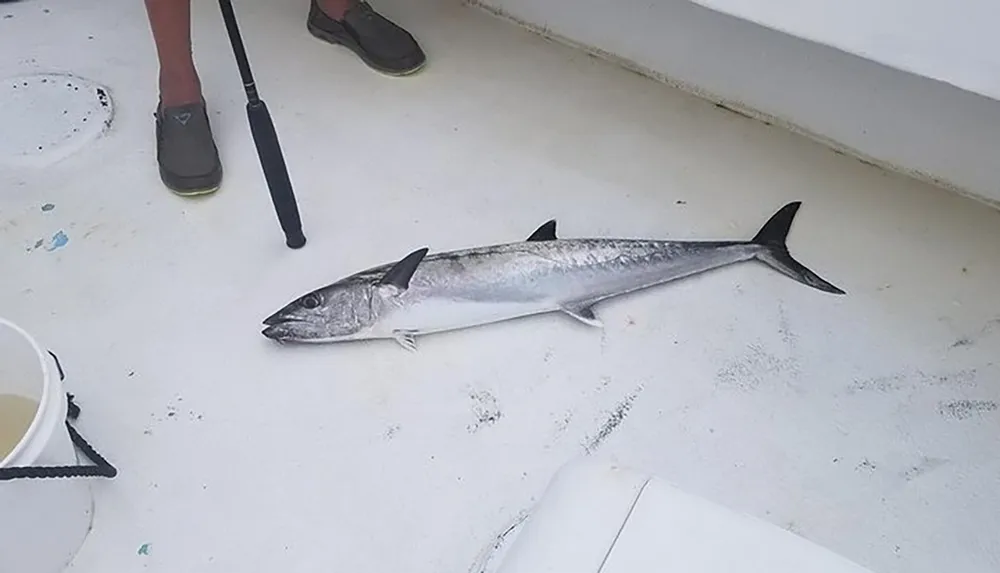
(182, 118)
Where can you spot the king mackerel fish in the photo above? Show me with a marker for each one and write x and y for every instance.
(425, 293)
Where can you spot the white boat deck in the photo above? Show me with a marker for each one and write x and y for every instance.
(867, 423)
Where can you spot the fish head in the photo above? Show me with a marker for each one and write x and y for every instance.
(341, 311)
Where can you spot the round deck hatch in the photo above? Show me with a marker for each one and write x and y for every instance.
(47, 117)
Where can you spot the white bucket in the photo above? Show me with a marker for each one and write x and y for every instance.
(43, 522)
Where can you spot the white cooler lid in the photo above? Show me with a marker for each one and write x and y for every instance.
(596, 517)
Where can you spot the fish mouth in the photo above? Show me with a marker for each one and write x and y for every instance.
(272, 333)
(283, 332)
(278, 318)
(278, 326)
(279, 331)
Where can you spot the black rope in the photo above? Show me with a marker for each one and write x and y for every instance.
(101, 467)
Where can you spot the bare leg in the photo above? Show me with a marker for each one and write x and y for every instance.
(170, 22)
(185, 148)
(336, 8)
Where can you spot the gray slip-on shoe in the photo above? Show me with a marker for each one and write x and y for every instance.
(185, 150)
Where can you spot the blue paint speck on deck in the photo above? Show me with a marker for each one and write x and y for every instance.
(143, 549)
(48, 207)
(59, 241)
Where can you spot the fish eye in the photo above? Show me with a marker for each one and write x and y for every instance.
(310, 301)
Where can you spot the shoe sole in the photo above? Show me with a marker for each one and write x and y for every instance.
(194, 192)
(354, 47)
(176, 189)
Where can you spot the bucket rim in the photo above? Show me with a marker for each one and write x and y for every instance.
(36, 421)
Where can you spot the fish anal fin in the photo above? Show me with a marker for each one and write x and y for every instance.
(546, 232)
(584, 312)
(398, 277)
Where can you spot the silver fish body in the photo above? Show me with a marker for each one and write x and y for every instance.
(426, 293)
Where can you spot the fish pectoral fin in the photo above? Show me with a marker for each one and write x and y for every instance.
(398, 277)
(406, 338)
(584, 313)
(546, 232)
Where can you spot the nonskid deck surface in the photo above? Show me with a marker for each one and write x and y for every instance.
(866, 423)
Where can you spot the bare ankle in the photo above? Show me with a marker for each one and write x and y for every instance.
(178, 87)
(336, 8)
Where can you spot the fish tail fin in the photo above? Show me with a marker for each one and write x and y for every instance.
(772, 237)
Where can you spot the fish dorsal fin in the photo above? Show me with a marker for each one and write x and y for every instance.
(398, 277)
(547, 232)
(583, 312)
